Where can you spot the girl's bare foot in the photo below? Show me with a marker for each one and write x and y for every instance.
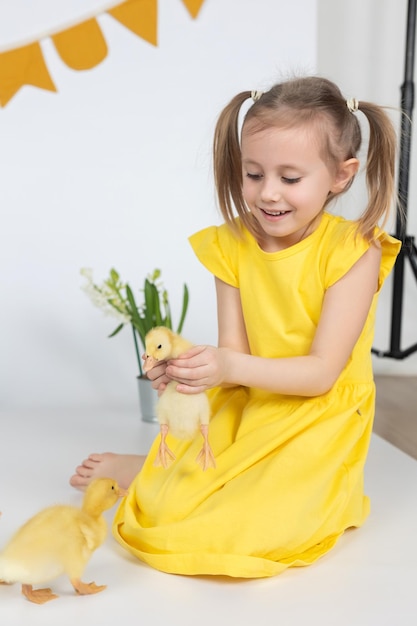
(121, 467)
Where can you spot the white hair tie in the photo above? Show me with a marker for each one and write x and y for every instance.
(255, 95)
(352, 104)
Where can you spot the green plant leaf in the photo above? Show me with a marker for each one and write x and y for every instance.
(158, 312)
(137, 351)
(167, 319)
(149, 304)
(137, 321)
(117, 330)
(153, 315)
(185, 301)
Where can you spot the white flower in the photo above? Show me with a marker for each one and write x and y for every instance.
(87, 272)
(105, 298)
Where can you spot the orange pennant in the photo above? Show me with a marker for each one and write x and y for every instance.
(139, 16)
(23, 66)
(193, 6)
(81, 47)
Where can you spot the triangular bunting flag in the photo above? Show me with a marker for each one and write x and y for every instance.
(193, 6)
(139, 16)
(23, 66)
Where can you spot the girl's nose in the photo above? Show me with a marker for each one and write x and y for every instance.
(270, 191)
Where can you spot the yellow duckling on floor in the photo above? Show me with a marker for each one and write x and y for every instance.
(180, 414)
(59, 540)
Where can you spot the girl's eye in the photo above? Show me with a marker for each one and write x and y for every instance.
(290, 181)
(253, 176)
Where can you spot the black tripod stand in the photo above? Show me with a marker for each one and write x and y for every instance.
(408, 250)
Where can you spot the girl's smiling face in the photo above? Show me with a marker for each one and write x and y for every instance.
(286, 182)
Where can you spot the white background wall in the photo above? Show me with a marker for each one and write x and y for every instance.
(114, 170)
(361, 46)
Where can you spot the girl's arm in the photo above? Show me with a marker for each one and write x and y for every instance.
(230, 322)
(345, 309)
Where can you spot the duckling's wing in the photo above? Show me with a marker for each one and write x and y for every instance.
(93, 533)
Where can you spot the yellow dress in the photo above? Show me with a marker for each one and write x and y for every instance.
(289, 475)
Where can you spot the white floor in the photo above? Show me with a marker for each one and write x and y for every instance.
(368, 579)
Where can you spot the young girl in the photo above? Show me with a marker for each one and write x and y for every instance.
(291, 384)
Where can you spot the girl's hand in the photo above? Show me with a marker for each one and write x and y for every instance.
(198, 369)
(158, 377)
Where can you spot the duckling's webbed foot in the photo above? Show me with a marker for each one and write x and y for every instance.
(38, 596)
(165, 456)
(85, 589)
(205, 457)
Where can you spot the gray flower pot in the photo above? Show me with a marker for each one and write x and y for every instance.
(147, 399)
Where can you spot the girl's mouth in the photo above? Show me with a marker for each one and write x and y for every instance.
(274, 213)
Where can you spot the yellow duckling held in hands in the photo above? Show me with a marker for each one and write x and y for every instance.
(59, 540)
(180, 414)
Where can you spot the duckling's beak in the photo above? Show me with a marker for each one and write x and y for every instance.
(149, 363)
(122, 492)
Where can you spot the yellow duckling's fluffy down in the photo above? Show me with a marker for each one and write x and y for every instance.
(59, 540)
(180, 414)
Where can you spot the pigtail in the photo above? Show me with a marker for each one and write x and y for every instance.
(227, 160)
(380, 169)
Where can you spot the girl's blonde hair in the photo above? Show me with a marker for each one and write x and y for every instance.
(319, 103)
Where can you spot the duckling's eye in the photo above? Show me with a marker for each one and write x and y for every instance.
(160, 346)
(112, 487)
